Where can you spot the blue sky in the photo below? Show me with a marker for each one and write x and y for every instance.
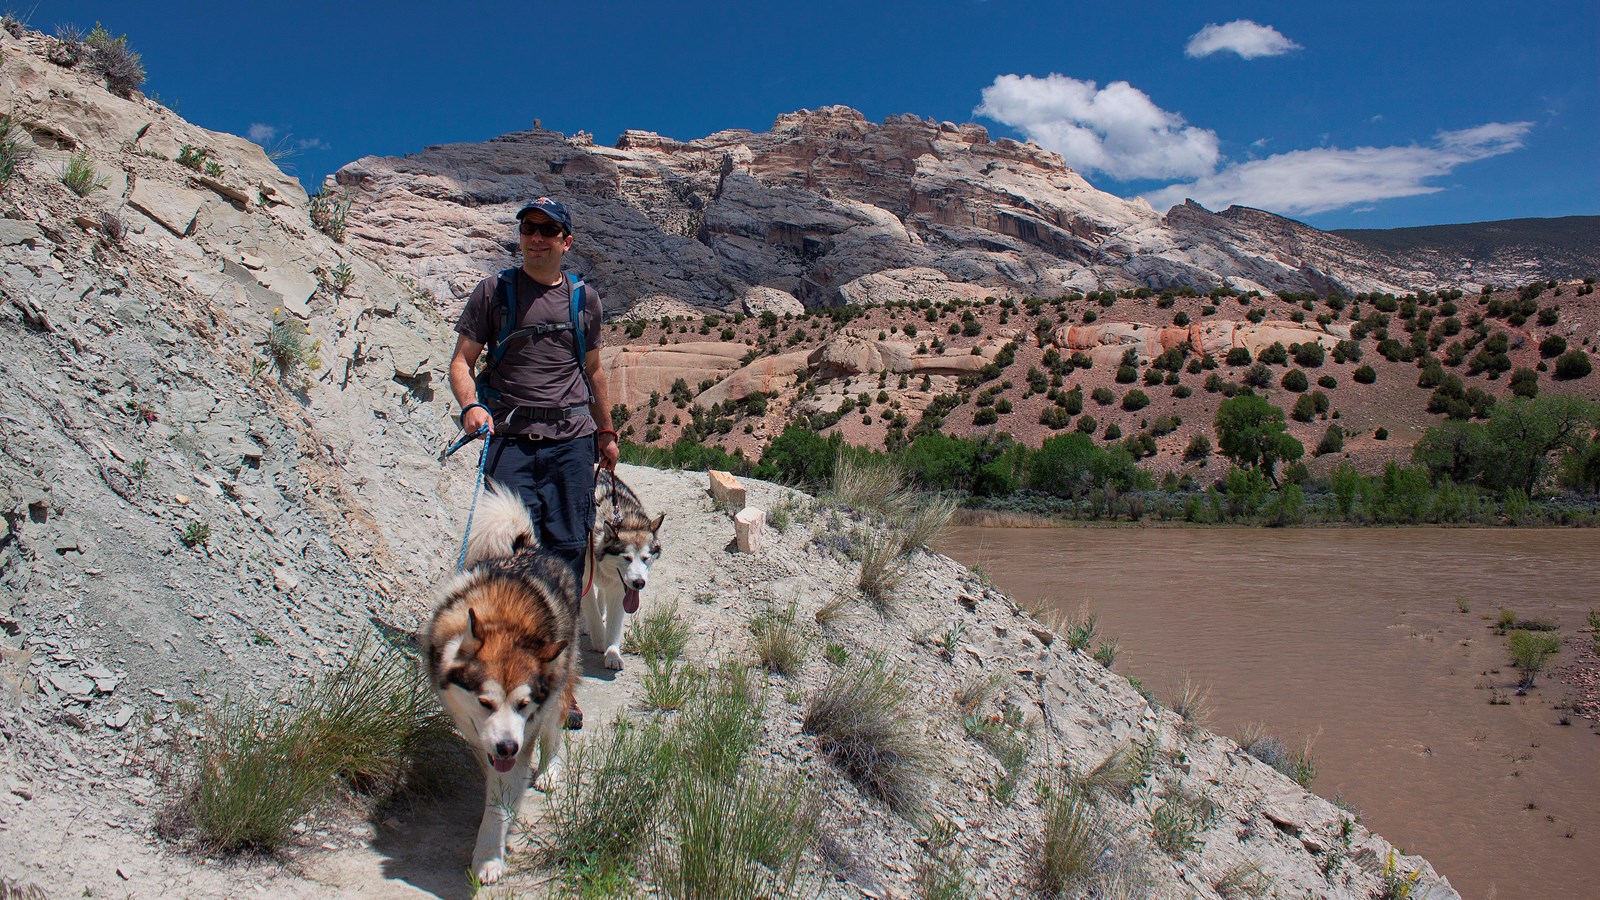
(1340, 114)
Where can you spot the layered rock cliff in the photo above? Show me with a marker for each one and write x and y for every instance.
(828, 208)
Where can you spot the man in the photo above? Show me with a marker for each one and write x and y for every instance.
(551, 418)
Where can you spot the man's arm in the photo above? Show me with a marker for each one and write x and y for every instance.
(462, 385)
(600, 409)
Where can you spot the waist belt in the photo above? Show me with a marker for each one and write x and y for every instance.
(511, 414)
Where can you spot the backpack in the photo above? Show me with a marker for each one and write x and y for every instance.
(505, 297)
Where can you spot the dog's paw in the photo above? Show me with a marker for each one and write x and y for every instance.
(614, 658)
(490, 870)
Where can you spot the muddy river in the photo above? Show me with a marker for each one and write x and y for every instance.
(1357, 639)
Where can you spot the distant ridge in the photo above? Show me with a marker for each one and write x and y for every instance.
(1567, 246)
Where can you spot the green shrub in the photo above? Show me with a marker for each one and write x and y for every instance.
(1199, 447)
(112, 60)
(1572, 364)
(328, 212)
(288, 348)
(1308, 355)
(196, 533)
(1332, 441)
(1531, 652)
(1552, 346)
(1274, 354)
(1364, 375)
(1135, 400)
(1295, 380)
(1175, 823)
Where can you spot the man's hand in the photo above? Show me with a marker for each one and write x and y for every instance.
(474, 418)
(606, 443)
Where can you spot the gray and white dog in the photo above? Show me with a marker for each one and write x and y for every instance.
(625, 546)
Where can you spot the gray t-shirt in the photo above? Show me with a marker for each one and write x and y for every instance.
(537, 369)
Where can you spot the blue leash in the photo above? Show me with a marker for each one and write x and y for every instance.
(483, 460)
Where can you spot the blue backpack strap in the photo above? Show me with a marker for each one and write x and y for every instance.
(579, 343)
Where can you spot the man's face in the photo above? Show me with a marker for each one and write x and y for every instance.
(538, 244)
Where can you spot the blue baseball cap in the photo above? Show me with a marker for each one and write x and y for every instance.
(552, 208)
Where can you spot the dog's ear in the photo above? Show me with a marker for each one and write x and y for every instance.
(655, 524)
(608, 533)
(550, 651)
(472, 624)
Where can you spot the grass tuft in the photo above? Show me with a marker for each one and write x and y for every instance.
(658, 634)
(925, 520)
(601, 811)
(373, 724)
(883, 568)
(781, 645)
(80, 177)
(872, 484)
(1244, 879)
(1073, 839)
(680, 801)
(1192, 702)
(863, 722)
(15, 148)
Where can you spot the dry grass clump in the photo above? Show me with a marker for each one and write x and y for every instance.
(374, 725)
(1244, 879)
(1192, 702)
(12, 891)
(1123, 770)
(924, 521)
(1296, 764)
(867, 484)
(864, 723)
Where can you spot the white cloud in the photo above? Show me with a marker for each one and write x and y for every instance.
(312, 144)
(261, 133)
(1116, 129)
(1312, 181)
(1242, 36)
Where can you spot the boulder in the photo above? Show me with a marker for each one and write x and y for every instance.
(758, 300)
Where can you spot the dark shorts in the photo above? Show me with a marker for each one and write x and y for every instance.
(555, 480)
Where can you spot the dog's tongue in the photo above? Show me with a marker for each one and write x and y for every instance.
(630, 602)
(502, 763)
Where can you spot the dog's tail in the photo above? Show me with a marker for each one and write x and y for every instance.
(501, 526)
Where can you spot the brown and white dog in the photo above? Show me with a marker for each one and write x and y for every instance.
(625, 546)
(501, 654)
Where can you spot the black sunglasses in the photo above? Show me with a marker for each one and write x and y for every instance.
(548, 229)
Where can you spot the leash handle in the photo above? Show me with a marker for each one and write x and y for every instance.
(465, 439)
(483, 460)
